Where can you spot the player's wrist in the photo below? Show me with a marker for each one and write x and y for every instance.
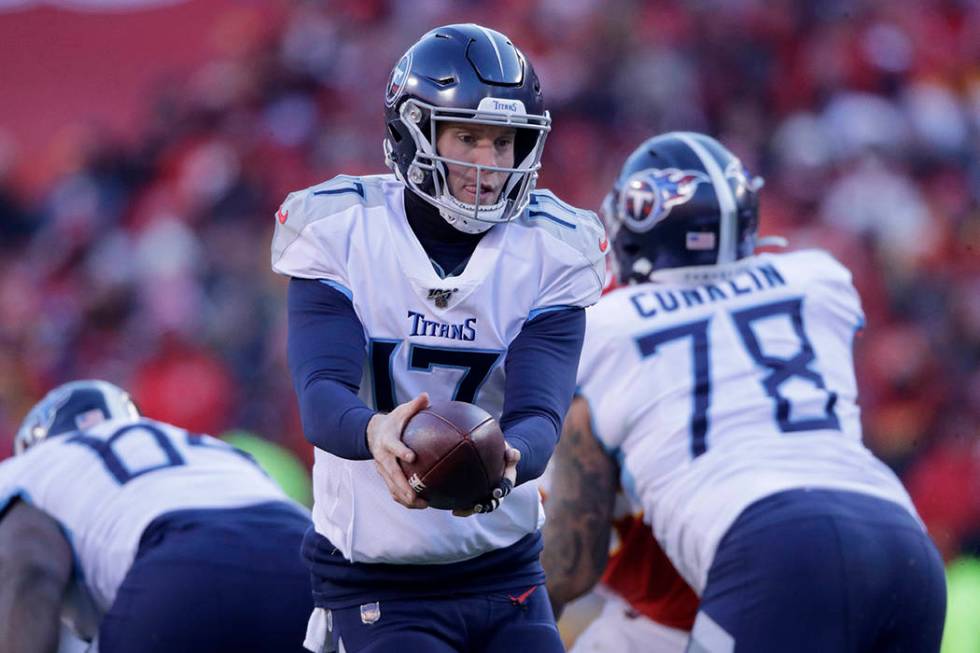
(372, 432)
(523, 452)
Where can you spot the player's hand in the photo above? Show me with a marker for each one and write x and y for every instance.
(384, 439)
(512, 457)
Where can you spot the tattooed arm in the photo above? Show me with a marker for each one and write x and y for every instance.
(580, 504)
(35, 569)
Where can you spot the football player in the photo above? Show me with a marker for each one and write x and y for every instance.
(647, 606)
(719, 386)
(452, 277)
(143, 536)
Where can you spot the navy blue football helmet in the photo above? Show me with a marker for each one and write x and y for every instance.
(72, 407)
(464, 74)
(682, 199)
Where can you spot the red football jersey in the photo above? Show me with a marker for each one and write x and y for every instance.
(640, 572)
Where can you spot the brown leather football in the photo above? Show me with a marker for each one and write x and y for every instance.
(459, 454)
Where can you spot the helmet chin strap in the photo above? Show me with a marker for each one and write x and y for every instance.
(466, 226)
(463, 219)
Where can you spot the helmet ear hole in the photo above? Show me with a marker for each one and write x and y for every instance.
(524, 143)
(396, 138)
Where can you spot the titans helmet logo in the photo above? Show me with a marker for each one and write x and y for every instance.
(399, 75)
(649, 195)
(40, 420)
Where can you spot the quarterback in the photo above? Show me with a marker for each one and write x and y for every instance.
(451, 278)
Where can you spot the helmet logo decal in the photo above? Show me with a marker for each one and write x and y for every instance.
(501, 105)
(38, 422)
(649, 195)
(399, 75)
(741, 179)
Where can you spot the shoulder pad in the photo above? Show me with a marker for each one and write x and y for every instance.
(308, 206)
(820, 263)
(607, 313)
(576, 267)
(580, 229)
(830, 279)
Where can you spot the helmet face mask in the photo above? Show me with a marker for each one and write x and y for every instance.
(429, 165)
(71, 407)
(464, 75)
(681, 200)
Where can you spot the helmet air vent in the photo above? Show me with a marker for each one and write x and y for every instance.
(443, 82)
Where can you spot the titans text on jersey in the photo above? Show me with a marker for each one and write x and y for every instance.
(421, 326)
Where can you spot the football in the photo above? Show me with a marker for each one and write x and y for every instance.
(459, 454)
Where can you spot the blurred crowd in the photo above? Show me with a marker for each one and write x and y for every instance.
(148, 264)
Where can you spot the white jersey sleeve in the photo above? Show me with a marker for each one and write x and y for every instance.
(312, 234)
(715, 387)
(105, 485)
(575, 241)
(602, 360)
(834, 287)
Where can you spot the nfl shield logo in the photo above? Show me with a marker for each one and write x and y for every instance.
(396, 84)
(441, 296)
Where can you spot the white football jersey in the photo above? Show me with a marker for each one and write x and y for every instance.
(448, 337)
(105, 485)
(717, 386)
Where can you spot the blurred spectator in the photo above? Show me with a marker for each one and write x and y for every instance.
(147, 262)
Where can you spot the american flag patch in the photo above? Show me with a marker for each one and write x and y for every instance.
(89, 418)
(700, 240)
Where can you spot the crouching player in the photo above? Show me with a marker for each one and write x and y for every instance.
(143, 536)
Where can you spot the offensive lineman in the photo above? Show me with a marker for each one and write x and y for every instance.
(647, 607)
(143, 536)
(719, 385)
(453, 278)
